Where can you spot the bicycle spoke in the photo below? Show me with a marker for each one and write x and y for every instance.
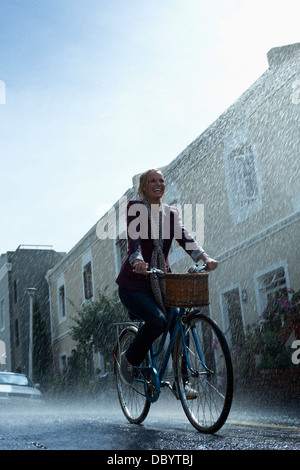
(208, 356)
(133, 400)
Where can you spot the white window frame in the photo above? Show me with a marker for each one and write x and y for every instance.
(244, 174)
(261, 297)
(242, 170)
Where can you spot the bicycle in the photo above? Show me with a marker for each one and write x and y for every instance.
(201, 359)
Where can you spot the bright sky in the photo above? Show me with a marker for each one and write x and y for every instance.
(97, 91)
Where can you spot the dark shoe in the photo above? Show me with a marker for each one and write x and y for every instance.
(126, 370)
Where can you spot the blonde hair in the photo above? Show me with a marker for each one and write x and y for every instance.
(144, 180)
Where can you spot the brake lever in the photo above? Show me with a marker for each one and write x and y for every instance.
(157, 271)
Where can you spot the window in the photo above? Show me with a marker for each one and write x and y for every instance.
(17, 338)
(233, 317)
(269, 281)
(2, 315)
(63, 363)
(269, 284)
(88, 281)
(244, 174)
(243, 177)
(15, 292)
(61, 302)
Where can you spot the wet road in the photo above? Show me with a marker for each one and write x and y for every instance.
(101, 426)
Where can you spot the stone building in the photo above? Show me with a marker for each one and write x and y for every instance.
(241, 181)
(24, 268)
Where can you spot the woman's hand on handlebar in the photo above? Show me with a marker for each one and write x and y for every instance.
(140, 267)
(211, 263)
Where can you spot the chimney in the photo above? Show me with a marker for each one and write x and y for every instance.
(278, 55)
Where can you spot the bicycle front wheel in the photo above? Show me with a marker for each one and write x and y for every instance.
(133, 401)
(203, 373)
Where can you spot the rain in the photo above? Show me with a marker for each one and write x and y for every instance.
(237, 189)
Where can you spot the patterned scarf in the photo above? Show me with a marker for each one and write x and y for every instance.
(157, 259)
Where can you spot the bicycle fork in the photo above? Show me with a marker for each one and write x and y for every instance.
(194, 373)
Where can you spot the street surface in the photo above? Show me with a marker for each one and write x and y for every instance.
(100, 425)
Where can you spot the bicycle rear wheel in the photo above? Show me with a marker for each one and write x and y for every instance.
(133, 401)
(211, 376)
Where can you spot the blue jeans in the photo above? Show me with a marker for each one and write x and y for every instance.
(143, 307)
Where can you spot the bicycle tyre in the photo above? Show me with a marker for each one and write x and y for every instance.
(133, 400)
(214, 389)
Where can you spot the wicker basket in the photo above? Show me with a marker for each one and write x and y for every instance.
(186, 290)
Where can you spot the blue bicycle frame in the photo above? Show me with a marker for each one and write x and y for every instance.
(152, 355)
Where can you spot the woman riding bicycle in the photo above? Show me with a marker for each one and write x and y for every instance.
(151, 228)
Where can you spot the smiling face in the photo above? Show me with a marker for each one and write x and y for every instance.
(154, 187)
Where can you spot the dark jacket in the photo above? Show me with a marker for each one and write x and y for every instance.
(140, 243)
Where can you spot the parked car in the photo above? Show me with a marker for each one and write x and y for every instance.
(17, 387)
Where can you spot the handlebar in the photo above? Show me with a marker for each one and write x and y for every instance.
(192, 269)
